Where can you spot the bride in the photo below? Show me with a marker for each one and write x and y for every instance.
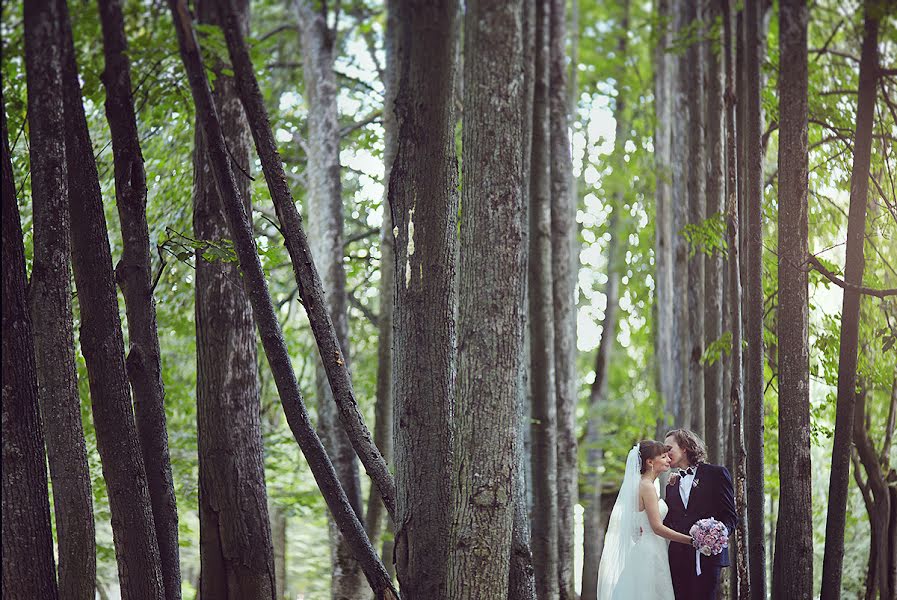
(634, 562)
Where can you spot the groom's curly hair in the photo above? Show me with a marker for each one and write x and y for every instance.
(690, 442)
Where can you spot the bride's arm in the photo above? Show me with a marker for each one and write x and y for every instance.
(649, 497)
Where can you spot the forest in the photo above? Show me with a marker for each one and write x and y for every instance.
(370, 300)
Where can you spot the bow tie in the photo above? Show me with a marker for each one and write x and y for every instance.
(688, 471)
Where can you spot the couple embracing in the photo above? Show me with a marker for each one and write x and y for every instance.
(653, 549)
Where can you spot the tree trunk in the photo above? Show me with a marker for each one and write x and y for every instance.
(850, 313)
(593, 517)
(692, 76)
(102, 344)
(253, 275)
(733, 233)
(491, 310)
(279, 542)
(325, 236)
(521, 579)
(134, 275)
(311, 292)
(236, 552)
(794, 530)
(876, 494)
(424, 204)
(50, 300)
(679, 115)
(713, 264)
(541, 315)
(383, 427)
(753, 365)
(664, 234)
(564, 270)
(29, 569)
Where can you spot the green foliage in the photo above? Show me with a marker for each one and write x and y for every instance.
(707, 237)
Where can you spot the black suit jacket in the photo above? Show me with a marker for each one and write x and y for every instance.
(713, 496)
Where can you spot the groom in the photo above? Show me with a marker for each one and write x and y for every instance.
(697, 490)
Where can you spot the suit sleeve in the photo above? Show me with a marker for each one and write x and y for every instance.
(728, 515)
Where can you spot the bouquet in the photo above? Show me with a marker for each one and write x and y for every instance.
(710, 537)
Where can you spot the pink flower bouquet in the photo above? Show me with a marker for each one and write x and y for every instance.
(710, 537)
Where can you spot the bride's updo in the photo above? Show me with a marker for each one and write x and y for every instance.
(648, 449)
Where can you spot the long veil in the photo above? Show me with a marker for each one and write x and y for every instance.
(622, 529)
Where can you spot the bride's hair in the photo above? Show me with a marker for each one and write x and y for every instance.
(648, 449)
(692, 445)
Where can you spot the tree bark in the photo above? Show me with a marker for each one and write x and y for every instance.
(593, 517)
(491, 310)
(134, 275)
(29, 569)
(236, 552)
(664, 234)
(102, 343)
(794, 530)
(279, 543)
(733, 233)
(850, 313)
(325, 236)
(383, 427)
(50, 300)
(679, 115)
(253, 276)
(521, 579)
(692, 76)
(423, 201)
(541, 315)
(753, 365)
(714, 428)
(564, 269)
(307, 278)
(877, 497)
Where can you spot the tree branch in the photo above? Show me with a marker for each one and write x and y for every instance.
(848, 286)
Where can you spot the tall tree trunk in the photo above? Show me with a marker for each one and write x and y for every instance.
(679, 115)
(424, 204)
(692, 76)
(794, 530)
(850, 313)
(134, 275)
(383, 427)
(876, 494)
(734, 448)
(565, 266)
(593, 517)
(236, 553)
(521, 579)
(102, 343)
(310, 289)
(541, 315)
(564, 269)
(664, 234)
(325, 235)
(491, 311)
(279, 543)
(713, 265)
(753, 364)
(29, 569)
(50, 300)
(733, 233)
(254, 277)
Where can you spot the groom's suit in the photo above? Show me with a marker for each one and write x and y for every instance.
(711, 495)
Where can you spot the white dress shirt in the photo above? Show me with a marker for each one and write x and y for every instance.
(685, 485)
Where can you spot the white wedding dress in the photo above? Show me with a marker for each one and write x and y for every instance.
(634, 562)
